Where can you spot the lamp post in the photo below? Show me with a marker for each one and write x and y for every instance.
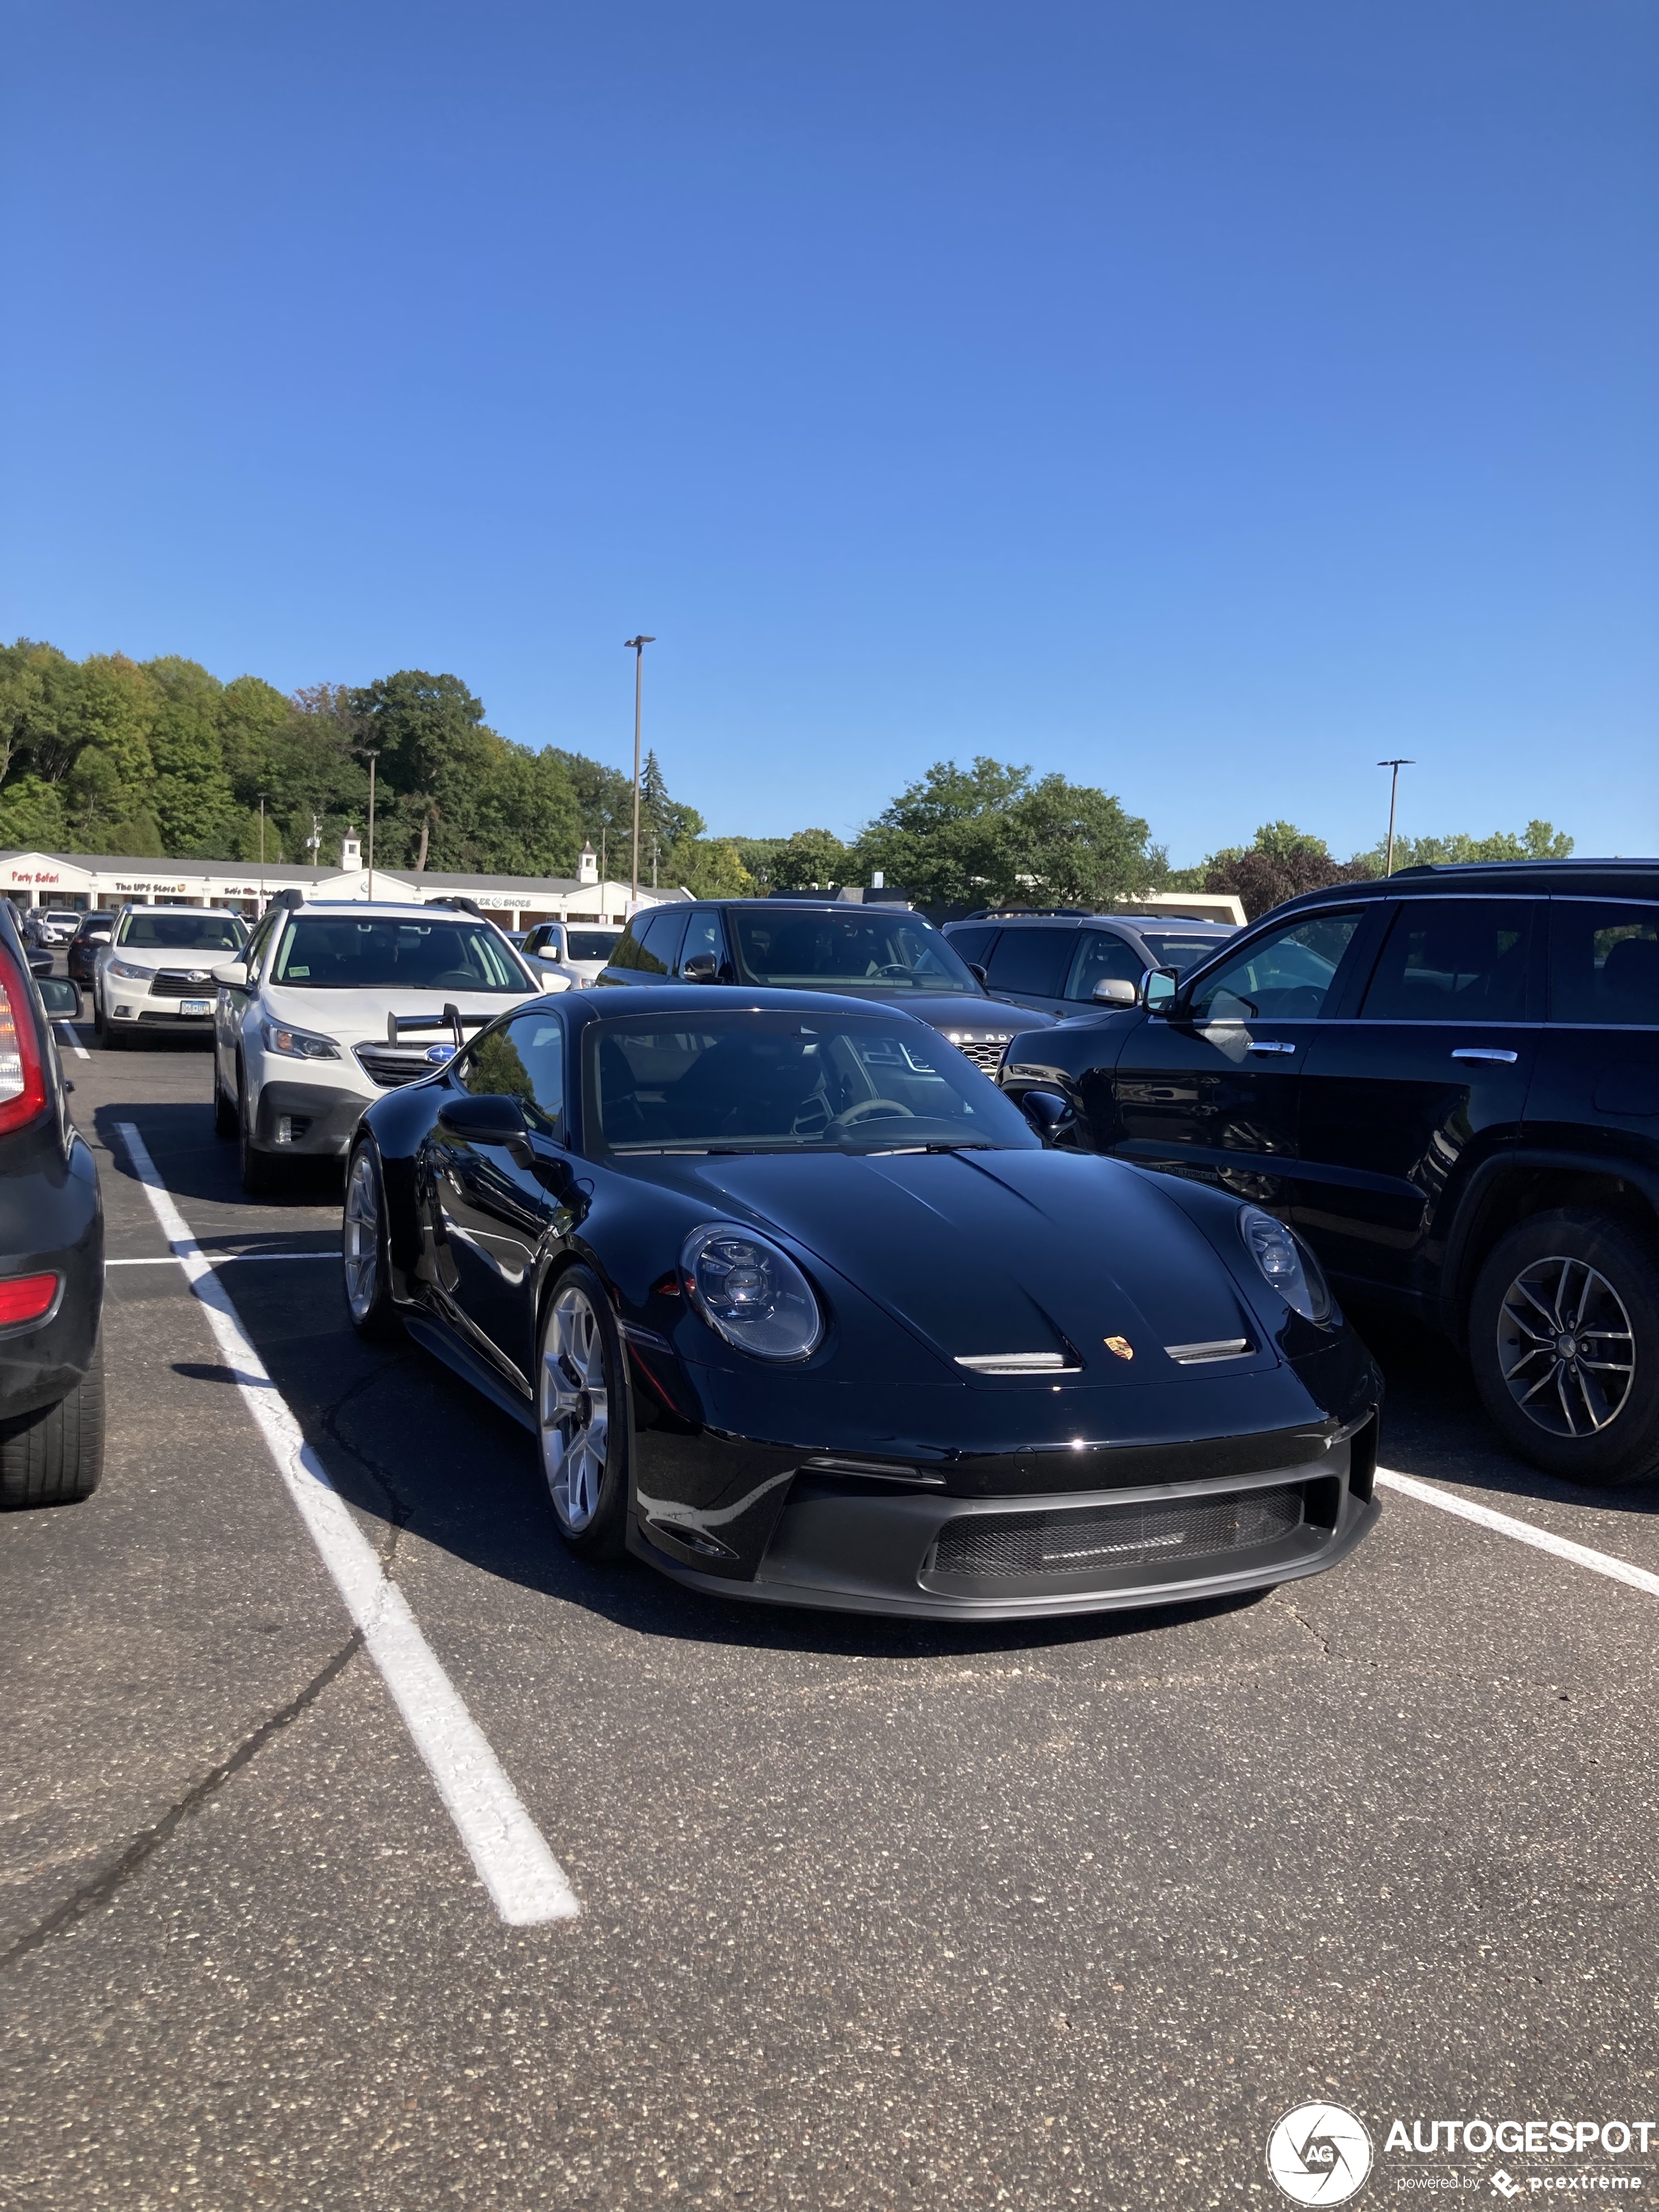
(371, 758)
(262, 852)
(1394, 793)
(637, 646)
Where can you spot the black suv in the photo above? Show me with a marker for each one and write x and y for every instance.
(792, 943)
(1066, 962)
(1447, 1081)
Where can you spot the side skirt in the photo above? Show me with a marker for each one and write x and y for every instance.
(432, 1336)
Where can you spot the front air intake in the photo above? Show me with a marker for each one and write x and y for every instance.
(1102, 1539)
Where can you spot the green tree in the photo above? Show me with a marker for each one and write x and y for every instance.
(192, 794)
(1281, 862)
(1540, 840)
(710, 867)
(434, 753)
(810, 860)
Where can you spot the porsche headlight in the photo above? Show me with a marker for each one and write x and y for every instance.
(298, 1044)
(1286, 1263)
(750, 1292)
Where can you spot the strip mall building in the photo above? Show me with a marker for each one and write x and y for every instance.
(86, 882)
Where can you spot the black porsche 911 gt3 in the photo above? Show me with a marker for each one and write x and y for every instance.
(801, 1308)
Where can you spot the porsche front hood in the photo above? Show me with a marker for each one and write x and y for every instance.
(984, 1254)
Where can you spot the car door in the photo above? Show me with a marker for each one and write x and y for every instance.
(1027, 967)
(1101, 956)
(493, 1204)
(1597, 1079)
(1212, 1089)
(1428, 1075)
(231, 1005)
(705, 939)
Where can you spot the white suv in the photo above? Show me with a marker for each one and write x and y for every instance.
(156, 974)
(577, 951)
(338, 1001)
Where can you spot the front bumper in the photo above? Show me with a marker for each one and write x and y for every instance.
(857, 1544)
(314, 1121)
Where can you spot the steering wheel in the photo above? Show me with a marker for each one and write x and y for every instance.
(891, 967)
(868, 1109)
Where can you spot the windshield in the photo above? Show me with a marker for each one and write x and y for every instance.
(785, 1083)
(1180, 953)
(386, 952)
(590, 943)
(183, 929)
(863, 948)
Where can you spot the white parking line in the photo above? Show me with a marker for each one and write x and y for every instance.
(67, 1035)
(1505, 1524)
(524, 1879)
(221, 1258)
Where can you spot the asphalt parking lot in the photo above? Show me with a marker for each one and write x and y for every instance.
(871, 1915)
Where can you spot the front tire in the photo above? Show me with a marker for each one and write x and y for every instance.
(55, 1457)
(1563, 1340)
(582, 1416)
(225, 1120)
(365, 1249)
(262, 1177)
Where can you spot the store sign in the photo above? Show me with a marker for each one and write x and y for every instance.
(35, 876)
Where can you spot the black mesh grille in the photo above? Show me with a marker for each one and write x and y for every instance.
(988, 1055)
(1103, 1538)
(389, 1066)
(176, 983)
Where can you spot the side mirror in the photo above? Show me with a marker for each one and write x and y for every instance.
(1158, 986)
(232, 973)
(98, 936)
(60, 998)
(1113, 991)
(39, 965)
(978, 973)
(701, 967)
(1046, 1110)
(549, 981)
(492, 1118)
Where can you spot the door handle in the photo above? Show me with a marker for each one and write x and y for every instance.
(1486, 1052)
(1276, 1047)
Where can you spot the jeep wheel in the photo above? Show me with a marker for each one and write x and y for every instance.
(1563, 1340)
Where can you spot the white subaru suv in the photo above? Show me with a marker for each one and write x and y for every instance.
(156, 974)
(336, 1001)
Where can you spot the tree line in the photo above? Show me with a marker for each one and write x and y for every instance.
(160, 759)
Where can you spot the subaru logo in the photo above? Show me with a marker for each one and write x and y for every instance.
(437, 1053)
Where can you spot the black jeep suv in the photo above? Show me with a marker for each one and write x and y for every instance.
(1447, 1082)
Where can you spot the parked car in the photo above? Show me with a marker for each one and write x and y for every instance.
(1068, 960)
(334, 1002)
(875, 952)
(577, 951)
(155, 974)
(60, 924)
(800, 1308)
(51, 1253)
(1448, 1082)
(91, 931)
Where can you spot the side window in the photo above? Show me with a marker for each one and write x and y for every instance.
(660, 940)
(1284, 976)
(626, 951)
(523, 1060)
(1604, 964)
(703, 934)
(1452, 960)
(1100, 957)
(261, 942)
(972, 945)
(1031, 960)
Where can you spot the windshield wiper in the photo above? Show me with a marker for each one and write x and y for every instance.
(939, 1144)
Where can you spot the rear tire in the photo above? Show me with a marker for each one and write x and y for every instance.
(1563, 1340)
(262, 1177)
(582, 1420)
(366, 1248)
(55, 1457)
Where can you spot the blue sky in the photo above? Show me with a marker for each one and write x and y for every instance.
(1202, 398)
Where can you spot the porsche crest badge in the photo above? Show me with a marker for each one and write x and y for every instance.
(1121, 1345)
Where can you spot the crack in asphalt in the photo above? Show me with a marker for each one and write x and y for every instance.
(150, 1840)
(398, 1513)
(1301, 1620)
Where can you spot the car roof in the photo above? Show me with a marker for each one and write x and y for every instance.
(1075, 918)
(384, 906)
(1614, 878)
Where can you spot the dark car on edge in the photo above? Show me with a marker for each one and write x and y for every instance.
(52, 1254)
(1447, 1081)
(91, 931)
(1068, 960)
(800, 1308)
(794, 943)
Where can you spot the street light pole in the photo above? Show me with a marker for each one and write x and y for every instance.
(371, 758)
(637, 646)
(262, 852)
(1394, 793)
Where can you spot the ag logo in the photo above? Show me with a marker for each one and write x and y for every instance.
(1319, 2154)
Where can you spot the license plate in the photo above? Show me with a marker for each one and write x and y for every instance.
(196, 1006)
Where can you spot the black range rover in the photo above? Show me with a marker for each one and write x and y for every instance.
(1447, 1082)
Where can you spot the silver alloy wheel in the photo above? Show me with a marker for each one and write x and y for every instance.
(360, 1239)
(574, 1410)
(1565, 1346)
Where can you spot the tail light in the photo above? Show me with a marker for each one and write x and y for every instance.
(25, 1297)
(22, 1074)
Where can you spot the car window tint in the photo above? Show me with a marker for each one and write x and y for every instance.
(589, 943)
(871, 948)
(1180, 953)
(627, 954)
(659, 941)
(523, 1060)
(1604, 963)
(703, 934)
(972, 945)
(1100, 957)
(1452, 960)
(374, 951)
(184, 930)
(1285, 975)
(1031, 960)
